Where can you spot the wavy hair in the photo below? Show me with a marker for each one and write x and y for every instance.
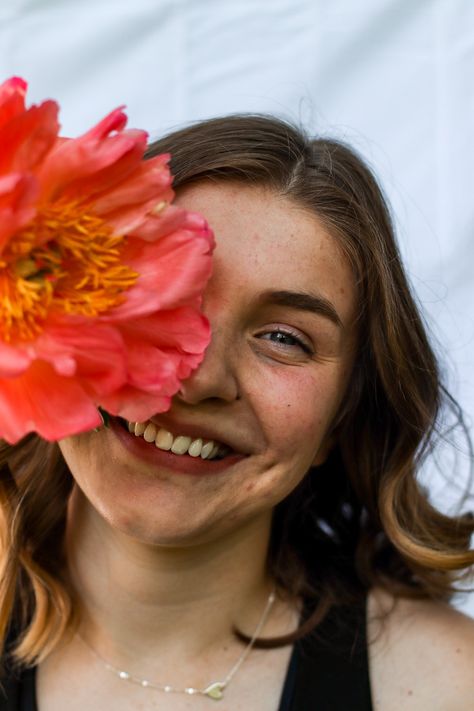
(362, 519)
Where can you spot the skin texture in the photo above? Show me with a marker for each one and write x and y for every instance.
(421, 655)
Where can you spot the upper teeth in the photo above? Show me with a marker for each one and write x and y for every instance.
(179, 444)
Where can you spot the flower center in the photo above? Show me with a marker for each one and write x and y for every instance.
(65, 261)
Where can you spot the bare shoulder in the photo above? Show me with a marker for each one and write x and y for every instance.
(421, 655)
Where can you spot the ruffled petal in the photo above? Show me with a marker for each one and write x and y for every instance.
(151, 384)
(149, 184)
(28, 137)
(128, 152)
(12, 99)
(183, 329)
(18, 194)
(183, 334)
(13, 361)
(116, 120)
(92, 352)
(80, 167)
(66, 410)
(179, 263)
(136, 405)
(149, 226)
(162, 350)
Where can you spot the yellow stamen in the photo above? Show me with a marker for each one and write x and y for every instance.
(67, 261)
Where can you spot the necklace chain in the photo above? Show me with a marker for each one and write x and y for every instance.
(214, 690)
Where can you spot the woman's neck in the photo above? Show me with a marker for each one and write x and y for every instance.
(187, 599)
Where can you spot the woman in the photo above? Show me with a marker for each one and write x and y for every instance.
(266, 540)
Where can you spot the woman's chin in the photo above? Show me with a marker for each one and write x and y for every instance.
(156, 516)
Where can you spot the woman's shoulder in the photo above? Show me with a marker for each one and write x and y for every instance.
(421, 655)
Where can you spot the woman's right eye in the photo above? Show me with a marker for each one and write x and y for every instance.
(286, 339)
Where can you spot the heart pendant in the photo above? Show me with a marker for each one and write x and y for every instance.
(215, 691)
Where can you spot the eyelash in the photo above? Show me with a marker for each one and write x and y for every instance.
(300, 343)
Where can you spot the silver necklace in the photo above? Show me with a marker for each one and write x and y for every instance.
(214, 690)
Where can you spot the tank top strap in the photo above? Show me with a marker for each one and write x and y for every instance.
(329, 669)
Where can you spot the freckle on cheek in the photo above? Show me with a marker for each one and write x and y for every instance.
(249, 487)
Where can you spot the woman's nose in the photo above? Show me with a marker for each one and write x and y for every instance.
(215, 377)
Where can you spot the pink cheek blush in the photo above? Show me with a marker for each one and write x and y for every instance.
(300, 406)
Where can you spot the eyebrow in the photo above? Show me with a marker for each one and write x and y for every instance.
(303, 301)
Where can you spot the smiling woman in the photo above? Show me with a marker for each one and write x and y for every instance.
(248, 542)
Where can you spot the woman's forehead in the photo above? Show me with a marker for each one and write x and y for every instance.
(267, 243)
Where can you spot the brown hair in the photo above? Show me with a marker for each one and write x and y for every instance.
(362, 518)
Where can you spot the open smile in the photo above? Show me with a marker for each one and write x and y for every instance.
(178, 444)
(179, 453)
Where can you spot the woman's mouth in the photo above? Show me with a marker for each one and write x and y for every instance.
(166, 450)
(178, 444)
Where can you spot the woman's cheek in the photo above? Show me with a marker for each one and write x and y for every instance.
(295, 405)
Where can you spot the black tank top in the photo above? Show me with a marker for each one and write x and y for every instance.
(328, 670)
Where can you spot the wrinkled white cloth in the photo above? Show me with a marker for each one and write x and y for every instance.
(392, 77)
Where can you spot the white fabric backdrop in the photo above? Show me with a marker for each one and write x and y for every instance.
(393, 77)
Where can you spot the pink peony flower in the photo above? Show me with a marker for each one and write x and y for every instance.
(100, 277)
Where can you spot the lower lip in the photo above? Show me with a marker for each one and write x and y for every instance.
(180, 463)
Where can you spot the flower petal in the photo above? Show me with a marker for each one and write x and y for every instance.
(116, 120)
(152, 382)
(162, 350)
(151, 225)
(183, 329)
(13, 361)
(173, 271)
(123, 159)
(149, 183)
(91, 163)
(27, 138)
(92, 352)
(66, 410)
(18, 193)
(12, 99)
(136, 405)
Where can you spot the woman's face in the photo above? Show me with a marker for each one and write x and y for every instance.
(281, 303)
